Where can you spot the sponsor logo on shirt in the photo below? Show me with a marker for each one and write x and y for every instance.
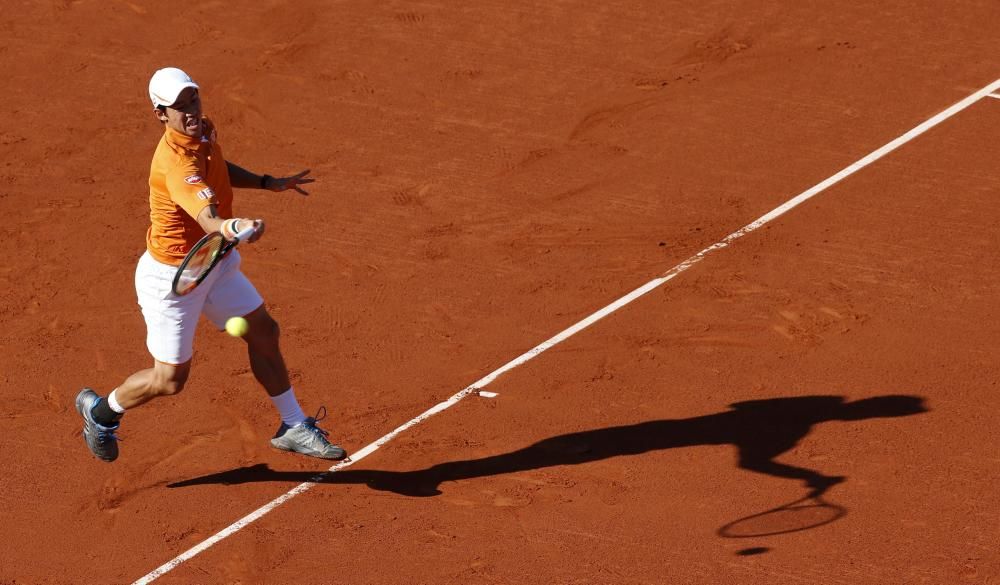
(193, 180)
(206, 193)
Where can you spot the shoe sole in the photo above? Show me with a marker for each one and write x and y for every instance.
(342, 454)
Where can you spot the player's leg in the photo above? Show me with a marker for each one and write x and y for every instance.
(101, 414)
(297, 432)
(235, 296)
(170, 327)
(160, 380)
(266, 361)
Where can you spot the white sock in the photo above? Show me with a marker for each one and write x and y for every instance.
(113, 402)
(288, 406)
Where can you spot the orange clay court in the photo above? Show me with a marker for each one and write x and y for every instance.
(813, 403)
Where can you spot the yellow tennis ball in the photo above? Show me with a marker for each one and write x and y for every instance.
(237, 326)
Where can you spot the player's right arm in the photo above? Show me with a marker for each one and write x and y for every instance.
(210, 221)
(188, 189)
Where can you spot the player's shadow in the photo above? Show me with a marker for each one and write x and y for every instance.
(761, 430)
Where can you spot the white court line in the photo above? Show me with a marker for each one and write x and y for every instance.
(994, 96)
(567, 333)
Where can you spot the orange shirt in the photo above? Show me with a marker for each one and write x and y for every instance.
(186, 176)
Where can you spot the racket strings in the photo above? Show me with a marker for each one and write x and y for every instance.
(198, 263)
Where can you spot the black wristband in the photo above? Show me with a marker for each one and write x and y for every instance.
(264, 179)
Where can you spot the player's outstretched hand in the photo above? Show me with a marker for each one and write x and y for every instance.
(278, 184)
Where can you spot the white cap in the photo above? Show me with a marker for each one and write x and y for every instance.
(168, 83)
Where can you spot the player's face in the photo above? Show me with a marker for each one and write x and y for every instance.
(184, 115)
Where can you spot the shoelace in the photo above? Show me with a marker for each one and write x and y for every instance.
(103, 433)
(103, 436)
(320, 415)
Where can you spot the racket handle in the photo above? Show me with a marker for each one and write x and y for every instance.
(245, 233)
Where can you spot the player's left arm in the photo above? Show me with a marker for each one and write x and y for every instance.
(241, 178)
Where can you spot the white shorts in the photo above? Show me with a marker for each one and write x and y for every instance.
(171, 320)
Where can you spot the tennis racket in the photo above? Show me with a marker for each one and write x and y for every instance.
(203, 257)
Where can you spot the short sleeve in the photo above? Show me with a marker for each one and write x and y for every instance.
(188, 189)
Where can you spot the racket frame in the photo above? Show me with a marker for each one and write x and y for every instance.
(219, 255)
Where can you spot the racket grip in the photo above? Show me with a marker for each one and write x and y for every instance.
(245, 233)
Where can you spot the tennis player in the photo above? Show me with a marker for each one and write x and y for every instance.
(191, 194)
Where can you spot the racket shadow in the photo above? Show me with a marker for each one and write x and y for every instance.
(760, 430)
(806, 513)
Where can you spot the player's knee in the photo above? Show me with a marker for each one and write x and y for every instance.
(273, 330)
(169, 387)
(268, 329)
(264, 332)
(169, 382)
